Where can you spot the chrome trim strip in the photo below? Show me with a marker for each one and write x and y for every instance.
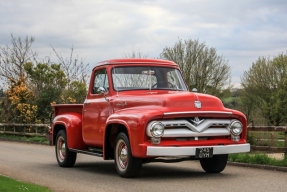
(197, 112)
(190, 151)
(188, 133)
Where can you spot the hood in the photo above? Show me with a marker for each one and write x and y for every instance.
(171, 101)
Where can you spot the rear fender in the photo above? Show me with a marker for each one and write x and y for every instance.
(72, 123)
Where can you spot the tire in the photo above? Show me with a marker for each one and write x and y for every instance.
(216, 164)
(65, 158)
(127, 166)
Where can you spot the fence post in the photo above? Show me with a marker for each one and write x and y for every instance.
(285, 154)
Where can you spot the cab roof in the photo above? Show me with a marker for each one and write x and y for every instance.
(135, 61)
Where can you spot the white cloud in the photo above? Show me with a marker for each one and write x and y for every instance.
(241, 31)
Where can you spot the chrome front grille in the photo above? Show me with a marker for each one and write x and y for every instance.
(198, 128)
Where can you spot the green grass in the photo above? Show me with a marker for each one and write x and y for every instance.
(280, 144)
(35, 139)
(257, 158)
(11, 185)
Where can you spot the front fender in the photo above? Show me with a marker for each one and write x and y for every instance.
(240, 116)
(135, 121)
(72, 123)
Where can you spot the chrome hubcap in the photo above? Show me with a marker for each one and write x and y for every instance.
(61, 148)
(122, 155)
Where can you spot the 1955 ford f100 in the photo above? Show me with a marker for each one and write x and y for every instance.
(140, 110)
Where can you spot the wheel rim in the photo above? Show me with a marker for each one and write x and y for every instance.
(122, 155)
(61, 149)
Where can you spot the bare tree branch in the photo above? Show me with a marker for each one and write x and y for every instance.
(13, 58)
(73, 67)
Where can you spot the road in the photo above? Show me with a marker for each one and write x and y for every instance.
(37, 164)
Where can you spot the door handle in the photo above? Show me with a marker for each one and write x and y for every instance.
(87, 103)
(122, 104)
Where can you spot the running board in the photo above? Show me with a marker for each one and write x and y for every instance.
(98, 154)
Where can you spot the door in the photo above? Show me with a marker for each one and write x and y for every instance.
(96, 110)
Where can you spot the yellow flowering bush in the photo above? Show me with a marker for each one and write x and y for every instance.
(21, 98)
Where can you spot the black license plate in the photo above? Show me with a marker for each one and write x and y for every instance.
(204, 152)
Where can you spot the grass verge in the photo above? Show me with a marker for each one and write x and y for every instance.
(257, 158)
(11, 185)
(33, 139)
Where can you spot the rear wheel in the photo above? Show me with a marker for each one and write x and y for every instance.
(126, 164)
(216, 164)
(64, 157)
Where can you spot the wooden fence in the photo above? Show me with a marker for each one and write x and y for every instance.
(24, 129)
(270, 129)
(41, 129)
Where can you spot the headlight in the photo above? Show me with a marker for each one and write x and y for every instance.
(156, 129)
(235, 127)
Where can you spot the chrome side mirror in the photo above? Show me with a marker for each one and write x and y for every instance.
(103, 92)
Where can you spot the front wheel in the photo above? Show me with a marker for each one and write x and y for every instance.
(126, 165)
(216, 164)
(64, 157)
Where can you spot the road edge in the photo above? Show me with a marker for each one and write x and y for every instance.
(258, 166)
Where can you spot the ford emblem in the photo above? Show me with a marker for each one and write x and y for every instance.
(197, 104)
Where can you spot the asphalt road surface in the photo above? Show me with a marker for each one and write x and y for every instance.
(37, 164)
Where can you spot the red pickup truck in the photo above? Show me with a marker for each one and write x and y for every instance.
(139, 111)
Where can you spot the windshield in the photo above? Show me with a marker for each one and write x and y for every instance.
(144, 77)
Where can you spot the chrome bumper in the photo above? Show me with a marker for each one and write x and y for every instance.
(190, 151)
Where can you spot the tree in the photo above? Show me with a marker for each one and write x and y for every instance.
(265, 83)
(247, 104)
(73, 67)
(77, 77)
(47, 81)
(135, 54)
(202, 68)
(76, 93)
(13, 58)
(16, 106)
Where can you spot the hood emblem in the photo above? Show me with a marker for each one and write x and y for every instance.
(197, 104)
(197, 121)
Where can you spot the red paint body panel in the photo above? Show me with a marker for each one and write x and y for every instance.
(73, 123)
(87, 124)
(135, 121)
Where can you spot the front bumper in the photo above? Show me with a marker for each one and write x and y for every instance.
(190, 151)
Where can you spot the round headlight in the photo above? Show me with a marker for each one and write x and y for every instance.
(157, 129)
(235, 128)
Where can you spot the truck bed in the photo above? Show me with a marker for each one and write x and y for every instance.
(64, 108)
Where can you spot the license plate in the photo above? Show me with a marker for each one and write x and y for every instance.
(204, 152)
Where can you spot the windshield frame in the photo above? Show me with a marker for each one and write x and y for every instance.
(149, 75)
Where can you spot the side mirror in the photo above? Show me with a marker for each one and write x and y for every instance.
(103, 92)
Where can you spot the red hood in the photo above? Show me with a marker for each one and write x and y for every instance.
(172, 101)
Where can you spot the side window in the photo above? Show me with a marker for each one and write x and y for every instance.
(101, 80)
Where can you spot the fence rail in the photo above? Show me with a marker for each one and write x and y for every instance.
(270, 149)
(41, 129)
(24, 129)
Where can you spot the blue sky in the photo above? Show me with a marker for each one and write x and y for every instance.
(241, 31)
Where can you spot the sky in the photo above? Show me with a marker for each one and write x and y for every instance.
(241, 31)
